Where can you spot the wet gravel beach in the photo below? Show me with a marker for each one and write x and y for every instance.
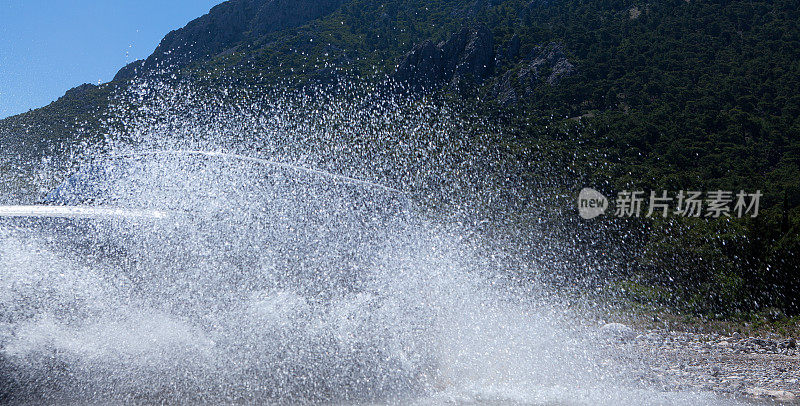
(736, 366)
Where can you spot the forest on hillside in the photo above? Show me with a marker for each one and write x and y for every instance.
(662, 95)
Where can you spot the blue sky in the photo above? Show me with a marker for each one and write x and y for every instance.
(50, 46)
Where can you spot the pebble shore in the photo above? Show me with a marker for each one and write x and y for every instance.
(748, 368)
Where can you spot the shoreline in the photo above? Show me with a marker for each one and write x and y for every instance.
(735, 366)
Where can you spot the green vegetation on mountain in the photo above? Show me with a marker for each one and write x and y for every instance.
(622, 94)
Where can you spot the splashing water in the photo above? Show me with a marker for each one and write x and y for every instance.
(279, 283)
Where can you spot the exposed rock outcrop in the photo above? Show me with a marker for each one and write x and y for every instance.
(225, 26)
(550, 61)
(546, 64)
(466, 57)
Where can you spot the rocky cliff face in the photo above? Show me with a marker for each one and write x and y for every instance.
(225, 26)
(545, 65)
(467, 57)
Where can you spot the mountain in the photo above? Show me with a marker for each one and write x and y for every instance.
(632, 94)
(223, 28)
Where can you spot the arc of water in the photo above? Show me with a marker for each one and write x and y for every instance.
(261, 161)
(103, 211)
(81, 212)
